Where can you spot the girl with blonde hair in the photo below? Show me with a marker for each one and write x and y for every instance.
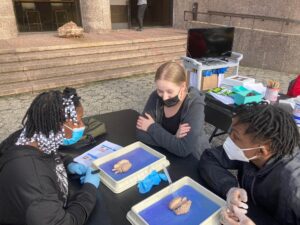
(173, 117)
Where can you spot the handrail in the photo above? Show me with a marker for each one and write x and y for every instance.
(248, 16)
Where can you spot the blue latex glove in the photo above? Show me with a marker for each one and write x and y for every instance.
(93, 179)
(77, 168)
(153, 178)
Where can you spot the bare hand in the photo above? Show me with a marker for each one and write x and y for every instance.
(183, 130)
(143, 123)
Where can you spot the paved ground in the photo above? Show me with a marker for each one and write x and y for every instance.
(113, 95)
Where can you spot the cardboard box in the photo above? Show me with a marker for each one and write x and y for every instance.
(207, 82)
(237, 81)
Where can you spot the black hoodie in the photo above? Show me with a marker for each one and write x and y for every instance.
(275, 188)
(30, 193)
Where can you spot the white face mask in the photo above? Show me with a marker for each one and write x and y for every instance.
(235, 153)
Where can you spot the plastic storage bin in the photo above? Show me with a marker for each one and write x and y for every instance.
(243, 95)
(143, 159)
(154, 210)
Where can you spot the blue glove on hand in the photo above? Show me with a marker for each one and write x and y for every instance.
(153, 178)
(93, 179)
(77, 168)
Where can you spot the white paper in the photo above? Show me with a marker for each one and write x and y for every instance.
(225, 99)
(97, 152)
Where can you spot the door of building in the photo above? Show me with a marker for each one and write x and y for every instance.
(158, 13)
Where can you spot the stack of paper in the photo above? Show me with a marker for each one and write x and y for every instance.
(225, 99)
(97, 152)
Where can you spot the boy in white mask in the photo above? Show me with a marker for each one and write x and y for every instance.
(263, 146)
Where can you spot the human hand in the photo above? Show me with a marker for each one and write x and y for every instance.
(237, 197)
(143, 123)
(183, 130)
(77, 168)
(228, 217)
(93, 179)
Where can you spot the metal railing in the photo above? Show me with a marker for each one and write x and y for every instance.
(243, 16)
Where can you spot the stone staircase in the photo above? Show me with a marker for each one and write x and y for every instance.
(40, 68)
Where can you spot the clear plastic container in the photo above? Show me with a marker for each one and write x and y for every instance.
(143, 158)
(296, 111)
(205, 208)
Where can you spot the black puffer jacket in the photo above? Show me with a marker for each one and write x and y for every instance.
(275, 188)
(30, 193)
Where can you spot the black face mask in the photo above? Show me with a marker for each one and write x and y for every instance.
(171, 101)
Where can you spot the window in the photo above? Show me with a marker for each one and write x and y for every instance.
(45, 15)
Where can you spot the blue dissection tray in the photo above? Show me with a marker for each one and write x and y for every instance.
(139, 159)
(159, 213)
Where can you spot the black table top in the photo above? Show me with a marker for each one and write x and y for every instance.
(220, 115)
(112, 208)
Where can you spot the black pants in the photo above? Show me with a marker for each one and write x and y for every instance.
(140, 14)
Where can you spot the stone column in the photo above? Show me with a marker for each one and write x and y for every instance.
(8, 26)
(95, 15)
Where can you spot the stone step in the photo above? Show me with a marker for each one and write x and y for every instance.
(91, 44)
(8, 78)
(74, 60)
(29, 56)
(75, 80)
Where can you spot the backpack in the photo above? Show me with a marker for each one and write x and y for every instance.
(294, 87)
(93, 129)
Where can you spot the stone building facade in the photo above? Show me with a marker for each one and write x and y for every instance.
(8, 26)
(95, 16)
(271, 43)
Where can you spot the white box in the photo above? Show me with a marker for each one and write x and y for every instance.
(117, 186)
(237, 81)
(136, 219)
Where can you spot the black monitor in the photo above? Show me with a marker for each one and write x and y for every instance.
(210, 42)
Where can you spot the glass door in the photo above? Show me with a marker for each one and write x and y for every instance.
(158, 13)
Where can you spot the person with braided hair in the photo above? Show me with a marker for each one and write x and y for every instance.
(263, 146)
(34, 187)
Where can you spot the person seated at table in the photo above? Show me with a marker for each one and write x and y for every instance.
(33, 180)
(173, 117)
(263, 146)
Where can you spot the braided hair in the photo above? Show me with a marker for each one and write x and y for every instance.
(68, 92)
(269, 122)
(45, 114)
(70, 103)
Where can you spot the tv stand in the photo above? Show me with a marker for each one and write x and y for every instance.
(199, 65)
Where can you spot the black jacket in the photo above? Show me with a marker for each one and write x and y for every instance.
(275, 188)
(30, 193)
(192, 113)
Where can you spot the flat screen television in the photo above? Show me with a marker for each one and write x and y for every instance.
(210, 42)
